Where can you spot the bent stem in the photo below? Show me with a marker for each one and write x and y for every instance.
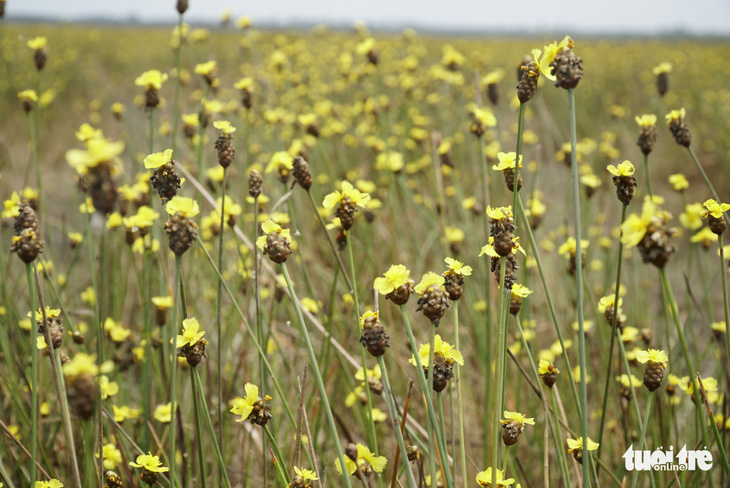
(211, 429)
(317, 374)
(579, 282)
(390, 400)
(424, 387)
(34, 377)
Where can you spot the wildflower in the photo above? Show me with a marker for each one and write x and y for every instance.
(395, 284)
(575, 446)
(360, 456)
(191, 344)
(491, 81)
(647, 138)
(108, 388)
(223, 144)
(111, 455)
(678, 182)
(548, 373)
(373, 336)
(252, 407)
(482, 118)
(81, 391)
(454, 277)
(507, 165)
(656, 361)
(662, 77)
(367, 48)
(433, 297)
(484, 478)
(52, 483)
(180, 230)
(444, 357)
(163, 413)
(152, 81)
(624, 179)
(162, 304)
(348, 199)
(513, 424)
(27, 99)
(691, 218)
(26, 242)
(530, 75)
(565, 67)
(276, 242)
(40, 54)
(151, 466)
(678, 128)
(517, 293)
(12, 207)
(650, 233)
(209, 71)
(714, 214)
(511, 261)
(283, 163)
(302, 478)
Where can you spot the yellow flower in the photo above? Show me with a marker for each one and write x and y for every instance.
(268, 227)
(678, 182)
(365, 46)
(51, 313)
(569, 247)
(521, 291)
(364, 456)
(715, 209)
(627, 381)
(206, 68)
(488, 249)
(348, 191)
(499, 213)
(691, 218)
(310, 304)
(367, 315)
(675, 115)
(545, 367)
(506, 161)
(664, 67)
(86, 133)
(162, 302)
(244, 406)
(163, 413)
(609, 301)
(244, 84)
(191, 119)
(37, 43)
(520, 418)
(97, 151)
(634, 228)
(143, 219)
(28, 96)
(124, 412)
(76, 238)
(155, 160)
(396, 276)
(190, 333)
(81, 363)
(493, 77)
(54, 483)
(108, 388)
(280, 159)
(306, 474)
(653, 355)
(485, 117)
(705, 236)
(457, 267)
(390, 161)
(151, 79)
(428, 280)
(224, 126)
(646, 120)
(111, 455)
(454, 234)
(149, 463)
(118, 108)
(623, 169)
(484, 478)
(577, 444)
(187, 207)
(549, 56)
(439, 346)
(12, 206)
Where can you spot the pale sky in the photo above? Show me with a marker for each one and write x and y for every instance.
(602, 16)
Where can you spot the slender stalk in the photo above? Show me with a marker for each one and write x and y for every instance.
(642, 439)
(176, 107)
(424, 387)
(219, 352)
(609, 366)
(259, 324)
(211, 429)
(280, 465)
(504, 460)
(707, 180)
(579, 282)
(559, 437)
(430, 429)
(390, 401)
(198, 429)
(151, 131)
(173, 367)
(317, 374)
(336, 253)
(33, 378)
(460, 398)
(442, 417)
(723, 273)
(646, 171)
(500, 373)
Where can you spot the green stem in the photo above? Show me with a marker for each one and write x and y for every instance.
(336, 253)
(173, 367)
(648, 179)
(281, 468)
(723, 273)
(176, 109)
(317, 374)
(500, 373)
(642, 439)
(579, 282)
(211, 430)
(151, 129)
(558, 434)
(460, 398)
(442, 418)
(430, 428)
(390, 401)
(259, 321)
(33, 378)
(424, 386)
(616, 312)
(198, 429)
(219, 352)
(707, 180)
(504, 461)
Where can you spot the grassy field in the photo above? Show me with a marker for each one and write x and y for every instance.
(406, 132)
